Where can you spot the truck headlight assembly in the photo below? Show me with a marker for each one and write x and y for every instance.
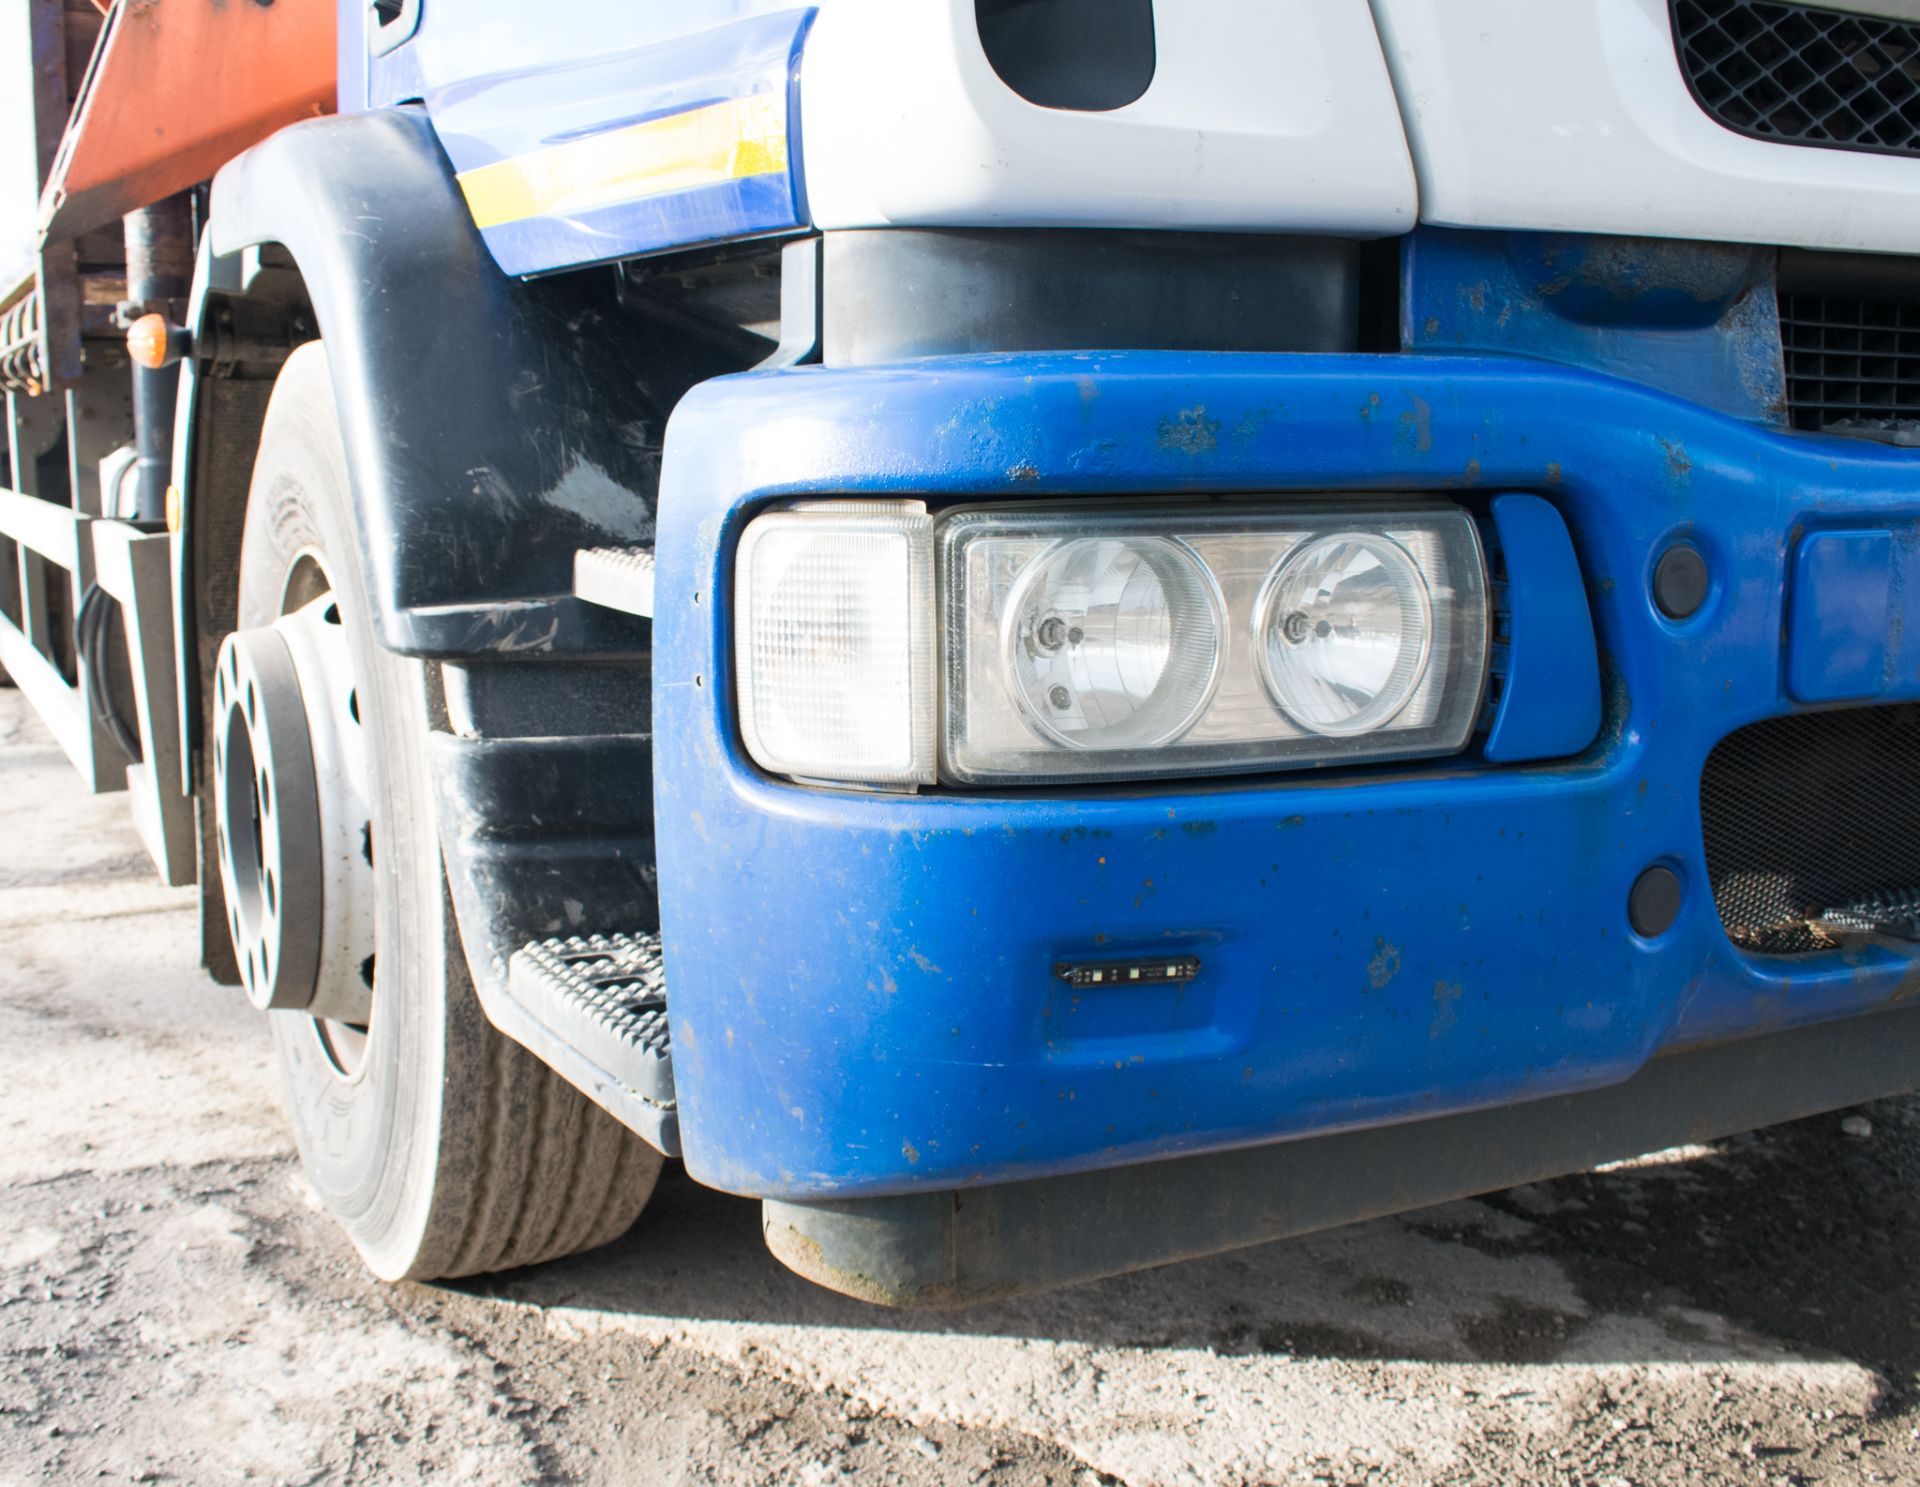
(1106, 641)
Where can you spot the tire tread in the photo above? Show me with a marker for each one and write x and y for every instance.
(603, 1173)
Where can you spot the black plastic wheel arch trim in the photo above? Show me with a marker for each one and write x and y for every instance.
(493, 425)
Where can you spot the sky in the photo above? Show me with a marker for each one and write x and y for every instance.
(16, 145)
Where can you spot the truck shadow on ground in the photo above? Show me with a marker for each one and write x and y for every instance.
(1793, 1240)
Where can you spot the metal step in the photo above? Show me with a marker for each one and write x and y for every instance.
(604, 999)
(616, 578)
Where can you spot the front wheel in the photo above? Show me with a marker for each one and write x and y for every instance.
(441, 1147)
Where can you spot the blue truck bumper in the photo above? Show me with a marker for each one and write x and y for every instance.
(862, 994)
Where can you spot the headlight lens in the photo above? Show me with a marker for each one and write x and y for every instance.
(1342, 629)
(1105, 641)
(1113, 642)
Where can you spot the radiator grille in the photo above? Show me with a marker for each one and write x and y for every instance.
(1810, 813)
(1799, 75)
(1851, 364)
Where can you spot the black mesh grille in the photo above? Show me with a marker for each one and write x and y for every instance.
(1798, 75)
(1807, 814)
(1851, 364)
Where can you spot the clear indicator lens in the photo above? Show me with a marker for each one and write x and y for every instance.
(835, 646)
(1344, 629)
(1113, 642)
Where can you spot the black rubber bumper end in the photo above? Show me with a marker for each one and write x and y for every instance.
(944, 1250)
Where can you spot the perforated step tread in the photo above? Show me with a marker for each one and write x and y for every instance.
(606, 997)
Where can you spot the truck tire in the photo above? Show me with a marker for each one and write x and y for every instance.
(442, 1147)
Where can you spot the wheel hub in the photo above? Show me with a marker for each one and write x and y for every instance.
(294, 828)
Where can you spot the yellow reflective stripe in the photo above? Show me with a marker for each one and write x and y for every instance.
(701, 147)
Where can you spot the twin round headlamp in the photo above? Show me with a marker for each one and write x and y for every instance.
(879, 645)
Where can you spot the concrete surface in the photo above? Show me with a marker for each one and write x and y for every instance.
(174, 1309)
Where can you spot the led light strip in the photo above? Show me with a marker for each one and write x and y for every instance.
(705, 146)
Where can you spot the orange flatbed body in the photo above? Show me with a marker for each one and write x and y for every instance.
(177, 88)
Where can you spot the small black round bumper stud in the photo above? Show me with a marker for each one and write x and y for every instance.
(1680, 582)
(1654, 903)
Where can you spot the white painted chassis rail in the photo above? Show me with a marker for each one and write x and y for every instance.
(53, 544)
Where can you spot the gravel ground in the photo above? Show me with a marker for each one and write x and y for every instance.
(174, 1309)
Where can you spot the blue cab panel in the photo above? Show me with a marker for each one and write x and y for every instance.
(863, 998)
(1696, 319)
(1852, 595)
(615, 131)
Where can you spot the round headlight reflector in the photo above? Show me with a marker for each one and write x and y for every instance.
(1343, 629)
(1113, 642)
